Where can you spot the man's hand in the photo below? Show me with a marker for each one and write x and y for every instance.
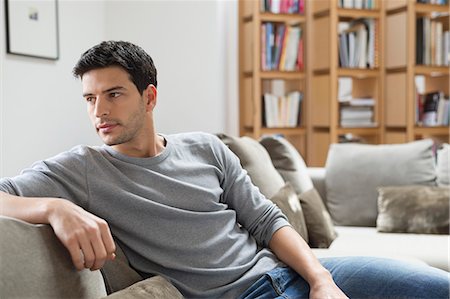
(325, 289)
(290, 248)
(86, 236)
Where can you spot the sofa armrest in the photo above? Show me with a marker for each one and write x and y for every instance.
(317, 175)
(34, 263)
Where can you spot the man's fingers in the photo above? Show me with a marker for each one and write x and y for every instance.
(86, 249)
(108, 240)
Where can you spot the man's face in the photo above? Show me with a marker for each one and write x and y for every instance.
(114, 105)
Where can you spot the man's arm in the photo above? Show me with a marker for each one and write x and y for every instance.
(86, 236)
(290, 248)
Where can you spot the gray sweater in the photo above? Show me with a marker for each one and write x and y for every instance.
(190, 214)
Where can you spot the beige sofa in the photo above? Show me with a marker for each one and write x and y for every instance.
(431, 249)
(34, 264)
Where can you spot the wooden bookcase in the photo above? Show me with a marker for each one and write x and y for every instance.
(325, 126)
(254, 82)
(401, 70)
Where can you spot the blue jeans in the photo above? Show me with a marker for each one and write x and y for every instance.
(358, 277)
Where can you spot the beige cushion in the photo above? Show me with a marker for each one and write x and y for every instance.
(355, 171)
(286, 199)
(288, 162)
(321, 231)
(256, 161)
(413, 209)
(35, 264)
(151, 288)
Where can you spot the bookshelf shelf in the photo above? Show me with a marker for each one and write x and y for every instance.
(358, 73)
(283, 18)
(432, 70)
(282, 75)
(284, 131)
(432, 130)
(422, 8)
(272, 71)
(359, 131)
(347, 13)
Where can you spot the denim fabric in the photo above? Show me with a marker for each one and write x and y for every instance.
(358, 277)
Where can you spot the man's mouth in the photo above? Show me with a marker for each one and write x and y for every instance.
(106, 127)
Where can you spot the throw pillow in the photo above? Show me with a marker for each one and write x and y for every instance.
(151, 288)
(443, 165)
(288, 162)
(321, 231)
(354, 171)
(413, 209)
(118, 273)
(256, 161)
(286, 199)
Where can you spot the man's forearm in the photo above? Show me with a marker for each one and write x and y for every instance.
(291, 249)
(31, 209)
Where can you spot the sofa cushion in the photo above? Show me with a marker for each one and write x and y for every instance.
(288, 162)
(443, 165)
(151, 288)
(35, 264)
(321, 231)
(355, 171)
(413, 209)
(256, 161)
(367, 241)
(118, 273)
(286, 199)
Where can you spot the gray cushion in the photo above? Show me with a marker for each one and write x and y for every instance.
(413, 209)
(288, 162)
(354, 171)
(443, 165)
(255, 159)
(321, 231)
(286, 199)
(35, 264)
(155, 287)
(118, 273)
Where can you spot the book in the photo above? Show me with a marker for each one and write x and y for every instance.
(430, 108)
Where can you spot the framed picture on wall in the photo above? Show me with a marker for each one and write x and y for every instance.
(32, 28)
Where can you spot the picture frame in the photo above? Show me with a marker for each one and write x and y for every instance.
(32, 28)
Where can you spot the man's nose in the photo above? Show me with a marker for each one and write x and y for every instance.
(101, 107)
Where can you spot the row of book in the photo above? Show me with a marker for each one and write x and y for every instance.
(283, 6)
(357, 4)
(282, 111)
(358, 44)
(439, 2)
(281, 47)
(432, 109)
(352, 116)
(432, 43)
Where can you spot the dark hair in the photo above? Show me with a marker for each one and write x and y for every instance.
(130, 57)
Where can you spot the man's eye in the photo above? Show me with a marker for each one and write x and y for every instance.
(114, 94)
(90, 99)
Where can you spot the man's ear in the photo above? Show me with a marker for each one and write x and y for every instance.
(150, 94)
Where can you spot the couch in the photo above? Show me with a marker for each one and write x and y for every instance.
(34, 264)
(431, 249)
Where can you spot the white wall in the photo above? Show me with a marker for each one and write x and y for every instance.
(42, 112)
(193, 44)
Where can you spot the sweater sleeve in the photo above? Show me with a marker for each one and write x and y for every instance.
(261, 217)
(63, 176)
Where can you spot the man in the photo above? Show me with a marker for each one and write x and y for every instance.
(180, 205)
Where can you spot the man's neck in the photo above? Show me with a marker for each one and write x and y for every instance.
(151, 147)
